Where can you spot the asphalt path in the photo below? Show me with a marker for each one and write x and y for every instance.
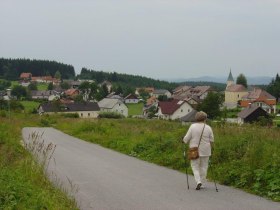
(103, 179)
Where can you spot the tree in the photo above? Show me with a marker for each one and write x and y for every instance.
(274, 87)
(32, 86)
(64, 85)
(4, 84)
(57, 75)
(241, 80)
(211, 105)
(144, 94)
(104, 91)
(50, 86)
(19, 91)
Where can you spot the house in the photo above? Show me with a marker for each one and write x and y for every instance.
(25, 76)
(251, 114)
(45, 79)
(161, 92)
(148, 90)
(152, 100)
(108, 85)
(174, 109)
(261, 98)
(84, 110)
(199, 93)
(71, 92)
(50, 95)
(189, 118)
(131, 99)
(233, 93)
(113, 105)
(115, 96)
(181, 89)
(73, 84)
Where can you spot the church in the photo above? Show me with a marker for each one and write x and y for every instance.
(233, 92)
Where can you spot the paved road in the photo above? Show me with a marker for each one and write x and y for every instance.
(108, 180)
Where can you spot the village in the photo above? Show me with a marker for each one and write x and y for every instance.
(180, 104)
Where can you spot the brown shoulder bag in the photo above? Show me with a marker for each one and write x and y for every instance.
(193, 152)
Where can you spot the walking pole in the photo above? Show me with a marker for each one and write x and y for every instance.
(184, 154)
(213, 175)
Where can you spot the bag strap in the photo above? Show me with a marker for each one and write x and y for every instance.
(201, 135)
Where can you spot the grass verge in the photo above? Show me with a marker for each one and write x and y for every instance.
(22, 180)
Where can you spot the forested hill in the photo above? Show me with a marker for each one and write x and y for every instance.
(10, 69)
(134, 81)
(125, 80)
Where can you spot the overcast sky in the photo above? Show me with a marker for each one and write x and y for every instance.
(154, 38)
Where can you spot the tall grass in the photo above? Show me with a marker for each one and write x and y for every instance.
(23, 184)
(246, 157)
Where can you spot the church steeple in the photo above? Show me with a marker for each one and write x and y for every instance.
(230, 80)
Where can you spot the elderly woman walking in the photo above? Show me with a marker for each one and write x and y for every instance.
(200, 135)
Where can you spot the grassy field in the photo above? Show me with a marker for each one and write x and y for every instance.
(246, 157)
(135, 109)
(14, 83)
(42, 86)
(30, 105)
(23, 184)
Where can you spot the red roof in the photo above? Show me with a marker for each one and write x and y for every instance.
(71, 92)
(25, 75)
(169, 107)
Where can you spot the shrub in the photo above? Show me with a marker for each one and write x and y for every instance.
(113, 115)
(70, 115)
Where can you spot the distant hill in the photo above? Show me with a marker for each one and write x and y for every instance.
(250, 80)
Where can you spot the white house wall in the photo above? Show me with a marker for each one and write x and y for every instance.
(182, 111)
(87, 114)
(121, 108)
(131, 101)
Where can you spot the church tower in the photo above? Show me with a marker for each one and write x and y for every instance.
(230, 80)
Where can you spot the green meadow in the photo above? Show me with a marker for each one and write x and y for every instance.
(135, 109)
(246, 157)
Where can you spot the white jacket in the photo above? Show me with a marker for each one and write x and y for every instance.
(193, 135)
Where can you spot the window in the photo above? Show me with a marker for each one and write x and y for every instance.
(181, 110)
(88, 114)
(81, 114)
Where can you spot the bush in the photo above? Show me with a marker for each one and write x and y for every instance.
(70, 115)
(113, 115)
(47, 121)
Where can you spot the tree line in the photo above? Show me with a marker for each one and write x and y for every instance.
(274, 87)
(10, 69)
(126, 81)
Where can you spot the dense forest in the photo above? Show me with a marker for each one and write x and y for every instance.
(134, 81)
(10, 69)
